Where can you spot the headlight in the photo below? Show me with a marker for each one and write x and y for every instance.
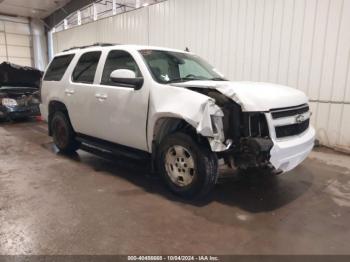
(216, 116)
(9, 102)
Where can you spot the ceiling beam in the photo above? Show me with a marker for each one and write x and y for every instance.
(62, 13)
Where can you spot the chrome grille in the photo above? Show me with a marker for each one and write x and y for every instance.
(291, 121)
(289, 112)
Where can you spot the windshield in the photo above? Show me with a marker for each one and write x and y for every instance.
(171, 67)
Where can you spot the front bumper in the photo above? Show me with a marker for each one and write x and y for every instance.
(14, 112)
(288, 153)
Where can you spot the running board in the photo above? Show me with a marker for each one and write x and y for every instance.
(115, 149)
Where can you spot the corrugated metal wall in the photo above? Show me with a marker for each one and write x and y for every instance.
(130, 27)
(301, 43)
(15, 41)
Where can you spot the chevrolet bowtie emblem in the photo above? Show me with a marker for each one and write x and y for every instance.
(299, 118)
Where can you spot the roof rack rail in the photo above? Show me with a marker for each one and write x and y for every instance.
(86, 46)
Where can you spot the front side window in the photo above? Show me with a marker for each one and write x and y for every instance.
(58, 67)
(85, 69)
(118, 59)
(170, 67)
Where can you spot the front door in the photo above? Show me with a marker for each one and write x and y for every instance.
(120, 113)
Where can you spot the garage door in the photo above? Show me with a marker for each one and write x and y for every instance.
(15, 42)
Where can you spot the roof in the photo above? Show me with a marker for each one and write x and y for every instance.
(109, 46)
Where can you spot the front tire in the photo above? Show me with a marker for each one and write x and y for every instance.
(63, 133)
(187, 167)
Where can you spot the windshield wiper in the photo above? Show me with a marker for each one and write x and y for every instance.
(185, 79)
(218, 79)
(182, 79)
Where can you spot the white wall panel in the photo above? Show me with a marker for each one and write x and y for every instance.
(3, 51)
(55, 43)
(330, 50)
(307, 42)
(2, 38)
(265, 41)
(21, 61)
(287, 26)
(333, 129)
(127, 28)
(76, 36)
(17, 28)
(342, 71)
(18, 40)
(301, 43)
(19, 51)
(15, 41)
(344, 138)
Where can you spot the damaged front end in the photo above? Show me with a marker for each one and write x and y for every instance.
(18, 102)
(254, 143)
(241, 138)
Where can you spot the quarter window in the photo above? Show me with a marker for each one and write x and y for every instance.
(118, 59)
(58, 67)
(85, 69)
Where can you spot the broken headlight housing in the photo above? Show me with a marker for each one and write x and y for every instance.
(216, 116)
(217, 142)
(9, 102)
(255, 125)
(217, 126)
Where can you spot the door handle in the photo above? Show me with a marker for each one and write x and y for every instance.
(69, 91)
(101, 97)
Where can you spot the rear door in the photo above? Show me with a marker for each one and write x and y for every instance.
(51, 87)
(78, 94)
(120, 112)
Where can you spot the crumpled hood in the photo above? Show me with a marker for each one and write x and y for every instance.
(254, 96)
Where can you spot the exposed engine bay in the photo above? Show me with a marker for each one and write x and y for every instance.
(248, 131)
(19, 91)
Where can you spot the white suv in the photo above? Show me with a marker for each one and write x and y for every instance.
(174, 108)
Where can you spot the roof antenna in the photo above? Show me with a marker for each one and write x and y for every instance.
(187, 49)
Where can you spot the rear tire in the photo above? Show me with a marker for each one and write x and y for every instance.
(187, 167)
(63, 133)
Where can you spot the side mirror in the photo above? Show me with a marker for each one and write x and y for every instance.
(126, 78)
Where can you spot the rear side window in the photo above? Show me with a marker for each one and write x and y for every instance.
(118, 59)
(85, 69)
(58, 67)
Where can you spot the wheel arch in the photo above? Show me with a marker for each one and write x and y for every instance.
(169, 124)
(165, 125)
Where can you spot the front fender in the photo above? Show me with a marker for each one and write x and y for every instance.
(176, 102)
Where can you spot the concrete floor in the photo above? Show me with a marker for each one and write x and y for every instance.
(53, 204)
